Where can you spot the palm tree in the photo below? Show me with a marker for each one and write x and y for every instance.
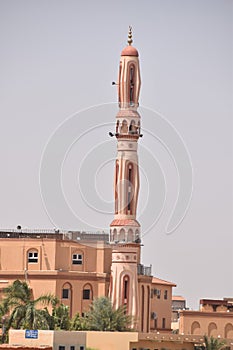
(103, 317)
(213, 343)
(24, 311)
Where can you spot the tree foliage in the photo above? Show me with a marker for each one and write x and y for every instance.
(61, 317)
(103, 317)
(21, 311)
(213, 343)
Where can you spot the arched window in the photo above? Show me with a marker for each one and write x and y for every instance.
(122, 235)
(131, 84)
(124, 127)
(132, 127)
(228, 331)
(125, 290)
(212, 329)
(195, 328)
(130, 188)
(33, 256)
(130, 235)
(114, 235)
(66, 291)
(87, 292)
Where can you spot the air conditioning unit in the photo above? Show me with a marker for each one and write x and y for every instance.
(153, 315)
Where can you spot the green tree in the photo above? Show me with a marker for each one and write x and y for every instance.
(79, 323)
(103, 317)
(61, 317)
(24, 312)
(213, 343)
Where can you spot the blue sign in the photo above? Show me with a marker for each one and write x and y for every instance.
(31, 333)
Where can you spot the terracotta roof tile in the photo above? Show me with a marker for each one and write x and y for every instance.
(125, 222)
(156, 280)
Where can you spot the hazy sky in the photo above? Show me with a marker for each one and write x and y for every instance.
(59, 58)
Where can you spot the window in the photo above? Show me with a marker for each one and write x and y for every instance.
(126, 288)
(131, 91)
(130, 171)
(33, 257)
(77, 259)
(158, 293)
(72, 347)
(61, 347)
(65, 293)
(164, 323)
(165, 294)
(81, 347)
(86, 294)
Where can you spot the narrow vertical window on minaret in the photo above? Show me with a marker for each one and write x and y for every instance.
(131, 92)
(130, 170)
(125, 290)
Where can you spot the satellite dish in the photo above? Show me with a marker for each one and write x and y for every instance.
(18, 227)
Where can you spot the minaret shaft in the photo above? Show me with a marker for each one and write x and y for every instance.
(125, 229)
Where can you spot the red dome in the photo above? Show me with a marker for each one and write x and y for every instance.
(129, 51)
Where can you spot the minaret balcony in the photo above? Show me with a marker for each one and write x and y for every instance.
(144, 270)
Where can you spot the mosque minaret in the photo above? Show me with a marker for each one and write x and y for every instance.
(125, 229)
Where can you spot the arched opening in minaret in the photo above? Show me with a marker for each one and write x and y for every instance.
(114, 235)
(124, 127)
(132, 127)
(130, 235)
(131, 84)
(125, 291)
(116, 187)
(122, 235)
(130, 188)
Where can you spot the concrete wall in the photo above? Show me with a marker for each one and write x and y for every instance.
(110, 340)
(80, 340)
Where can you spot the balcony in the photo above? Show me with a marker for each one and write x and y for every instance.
(144, 270)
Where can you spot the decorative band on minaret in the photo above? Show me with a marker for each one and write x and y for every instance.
(125, 227)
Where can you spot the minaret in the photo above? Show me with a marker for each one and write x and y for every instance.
(125, 229)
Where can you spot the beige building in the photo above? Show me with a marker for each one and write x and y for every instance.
(77, 272)
(62, 340)
(215, 318)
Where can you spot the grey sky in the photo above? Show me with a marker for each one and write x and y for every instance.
(59, 57)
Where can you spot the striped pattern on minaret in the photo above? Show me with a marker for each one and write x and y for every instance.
(125, 227)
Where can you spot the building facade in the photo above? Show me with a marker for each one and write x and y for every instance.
(215, 318)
